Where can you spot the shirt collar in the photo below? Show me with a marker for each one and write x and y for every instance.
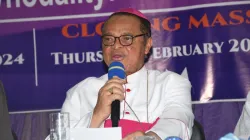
(137, 76)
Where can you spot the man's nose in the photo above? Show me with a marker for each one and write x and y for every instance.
(117, 44)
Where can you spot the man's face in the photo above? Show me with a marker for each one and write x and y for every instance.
(131, 56)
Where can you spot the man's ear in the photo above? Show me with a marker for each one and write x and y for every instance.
(148, 45)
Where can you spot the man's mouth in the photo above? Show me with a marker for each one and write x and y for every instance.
(117, 57)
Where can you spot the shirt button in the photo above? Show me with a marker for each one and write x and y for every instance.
(128, 90)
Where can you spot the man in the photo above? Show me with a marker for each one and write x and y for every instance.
(242, 129)
(5, 126)
(152, 102)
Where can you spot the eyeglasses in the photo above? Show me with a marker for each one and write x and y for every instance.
(125, 40)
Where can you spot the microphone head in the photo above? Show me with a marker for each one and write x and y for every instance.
(116, 69)
(173, 138)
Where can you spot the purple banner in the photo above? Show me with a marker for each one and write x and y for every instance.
(42, 14)
(41, 60)
(43, 8)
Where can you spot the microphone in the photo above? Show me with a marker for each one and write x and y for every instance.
(116, 69)
(230, 136)
(173, 138)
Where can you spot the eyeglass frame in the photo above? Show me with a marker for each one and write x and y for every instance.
(121, 36)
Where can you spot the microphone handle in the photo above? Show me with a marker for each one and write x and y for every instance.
(115, 113)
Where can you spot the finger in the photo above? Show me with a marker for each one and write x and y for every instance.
(108, 92)
(117, 80)
(110, 87)
(104, 91)
(116, 77)
(116, 90)
(114, 97)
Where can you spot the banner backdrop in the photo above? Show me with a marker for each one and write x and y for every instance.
(48, 46)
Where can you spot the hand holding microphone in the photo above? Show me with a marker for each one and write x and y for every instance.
(110, 95)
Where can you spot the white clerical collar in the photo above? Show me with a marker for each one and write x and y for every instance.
(137, 76)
